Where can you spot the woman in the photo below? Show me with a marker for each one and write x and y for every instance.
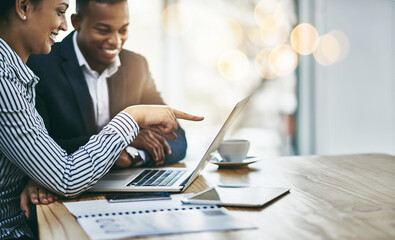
(26, 150)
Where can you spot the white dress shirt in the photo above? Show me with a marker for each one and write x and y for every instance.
(98, 88)
(97, 85)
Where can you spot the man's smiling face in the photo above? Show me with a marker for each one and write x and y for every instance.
(102, 32)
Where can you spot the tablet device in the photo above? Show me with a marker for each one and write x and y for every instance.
(237, 197)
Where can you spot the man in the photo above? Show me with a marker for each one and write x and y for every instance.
(88, 78)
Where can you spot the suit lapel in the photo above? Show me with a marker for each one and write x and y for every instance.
(77, 81)
(116, 88)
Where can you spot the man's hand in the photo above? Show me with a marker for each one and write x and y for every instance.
(154, 143)
(124, 160)
(37, 195)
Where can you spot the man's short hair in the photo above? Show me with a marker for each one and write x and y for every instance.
(82, 5)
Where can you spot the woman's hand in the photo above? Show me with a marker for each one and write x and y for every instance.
(159, 118)
(37, 195)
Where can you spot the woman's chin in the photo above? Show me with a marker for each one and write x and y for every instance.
(45, 50)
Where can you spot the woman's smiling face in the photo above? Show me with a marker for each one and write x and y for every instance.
(45, 20)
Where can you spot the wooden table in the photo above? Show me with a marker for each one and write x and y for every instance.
(332, 197)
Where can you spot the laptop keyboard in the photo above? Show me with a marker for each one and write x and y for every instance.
(156, 178)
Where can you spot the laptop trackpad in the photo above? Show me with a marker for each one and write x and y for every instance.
(116, 175)
(113, 177)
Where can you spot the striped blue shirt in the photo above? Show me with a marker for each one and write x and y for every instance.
(26, 149)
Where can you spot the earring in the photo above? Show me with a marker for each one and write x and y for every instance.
(24, 17)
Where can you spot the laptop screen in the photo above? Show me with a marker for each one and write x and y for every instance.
(240, 106)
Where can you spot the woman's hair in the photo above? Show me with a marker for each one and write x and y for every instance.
(7, 5)
(82, 5)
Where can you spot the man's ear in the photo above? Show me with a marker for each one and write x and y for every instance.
(76, 21)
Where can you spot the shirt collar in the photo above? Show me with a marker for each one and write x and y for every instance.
(82, 61)
(9, 56)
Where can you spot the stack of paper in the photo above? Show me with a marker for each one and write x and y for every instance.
(103, 220)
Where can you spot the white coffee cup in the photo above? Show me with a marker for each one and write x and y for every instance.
(234, 150)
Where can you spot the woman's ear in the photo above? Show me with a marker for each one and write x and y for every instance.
(21, 8)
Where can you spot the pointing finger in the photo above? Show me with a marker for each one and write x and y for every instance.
(186, 116)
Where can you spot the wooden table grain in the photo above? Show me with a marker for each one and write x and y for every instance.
(331, 197)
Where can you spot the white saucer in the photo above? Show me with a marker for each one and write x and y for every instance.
(245, 162)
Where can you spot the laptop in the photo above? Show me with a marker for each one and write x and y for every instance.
(164, 179)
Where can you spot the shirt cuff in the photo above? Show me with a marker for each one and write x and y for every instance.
(125, 125)
(142, 155)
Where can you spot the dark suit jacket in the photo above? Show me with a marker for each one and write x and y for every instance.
(64, 102)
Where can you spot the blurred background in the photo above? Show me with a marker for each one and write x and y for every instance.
(322, 70)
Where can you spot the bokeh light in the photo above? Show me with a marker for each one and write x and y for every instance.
(209, 46)
(263, 10)
(283, 60)
(262, 64)
(255, 36)
(171, 20)
(235, 31)
(233, 65)
(328, 50)
(273, 37)
(343, 43)
(304, 39)
(177, 19)
(270, 17)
